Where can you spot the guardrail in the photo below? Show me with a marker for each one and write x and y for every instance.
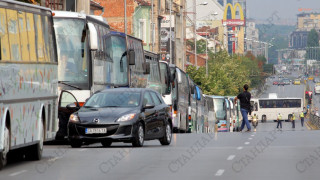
(315, 120)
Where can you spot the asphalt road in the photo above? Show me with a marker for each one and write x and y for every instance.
(267, 153)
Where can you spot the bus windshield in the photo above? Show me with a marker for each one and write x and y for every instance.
(164, 78)
(116, 50)
(72, 52)
(219, 108)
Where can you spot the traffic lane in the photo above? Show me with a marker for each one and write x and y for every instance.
(285, 91)
(286, 126)
(66, 161)
(221, 156)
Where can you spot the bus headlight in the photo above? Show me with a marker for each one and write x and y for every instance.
(74, 118)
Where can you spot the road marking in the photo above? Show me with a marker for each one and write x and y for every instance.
(240, 147)
(54, 159)
(246, 143)
(219, 172)
(82, 150)
(17, 173)
(250, 138)
(252, 135)
(231, 157)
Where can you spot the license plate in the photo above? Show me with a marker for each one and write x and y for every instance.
(96, 130)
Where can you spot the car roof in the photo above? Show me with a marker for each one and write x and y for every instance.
(125, 90)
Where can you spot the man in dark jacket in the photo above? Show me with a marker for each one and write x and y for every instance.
(244, 106)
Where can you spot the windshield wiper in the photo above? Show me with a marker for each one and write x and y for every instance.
(67, 84)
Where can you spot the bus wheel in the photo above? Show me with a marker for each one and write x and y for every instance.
(4, 153)
(35, 151)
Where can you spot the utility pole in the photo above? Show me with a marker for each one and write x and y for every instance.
(195, 31)
(170, 36)
(125, 16)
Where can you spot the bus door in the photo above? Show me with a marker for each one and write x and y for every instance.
(66, 98)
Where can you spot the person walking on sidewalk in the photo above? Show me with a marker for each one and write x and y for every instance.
(279, 119)
(302, 118)
(293, 119)
(245, 106)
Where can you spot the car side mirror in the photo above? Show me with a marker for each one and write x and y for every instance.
(73, 107)
(132, 57)
(149, 106)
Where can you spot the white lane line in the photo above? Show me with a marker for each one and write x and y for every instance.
(17, 173)
(219, 172)
(246, 143)
(231, 157)
(54, 159)
(240, 147)
(250, 138)
(82, 150)
(252, 135)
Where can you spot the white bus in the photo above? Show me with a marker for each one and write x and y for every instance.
(85, 63)
(28, 79)
(267, 109)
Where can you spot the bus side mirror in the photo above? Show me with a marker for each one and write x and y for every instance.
(93, 37)
(147, 68)
(132, 57)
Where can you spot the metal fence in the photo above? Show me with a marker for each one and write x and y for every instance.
(315, 120)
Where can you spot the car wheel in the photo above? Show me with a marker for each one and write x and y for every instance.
(75, 143)
(6, 147)
(139, 137)
(106, 143)
(166, 140)
(35, 151)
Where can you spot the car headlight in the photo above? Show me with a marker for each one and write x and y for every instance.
(127, 117)
(74, 118)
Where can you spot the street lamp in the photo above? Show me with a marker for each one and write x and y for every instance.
(195, 29)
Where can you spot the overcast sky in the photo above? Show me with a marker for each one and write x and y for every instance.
(287, 9)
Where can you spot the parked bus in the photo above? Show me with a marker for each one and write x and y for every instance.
(192, 111)
(167, 82)
(267, 109)
(154, 78)
(220, 109)
(84, 64)
(211, 115)
(180, 96)
(202, 111)
(28, 76)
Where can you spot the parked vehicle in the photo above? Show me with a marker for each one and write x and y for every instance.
(317, 89)
(28, 76)
(275, 82)
(121, 115)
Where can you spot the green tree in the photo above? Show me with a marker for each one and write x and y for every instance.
(313, 51)
(313, 39)
(226, 74)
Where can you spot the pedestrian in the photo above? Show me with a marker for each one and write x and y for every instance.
(317, 112)
(279, 120)
(293, 118)
(245, 106)
(302, 118)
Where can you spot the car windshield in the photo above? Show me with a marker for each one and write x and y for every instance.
(114, 99)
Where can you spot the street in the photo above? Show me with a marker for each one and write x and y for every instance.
(267, 153)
